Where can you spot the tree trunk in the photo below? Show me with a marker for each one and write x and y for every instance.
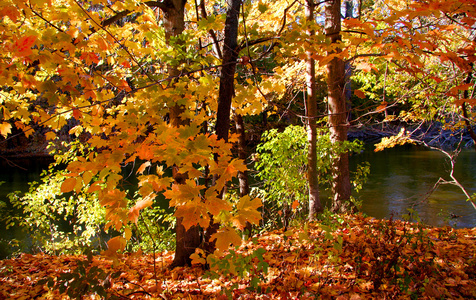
(341, 187)
(227, 89)
(242, 176)
(186, 240)
(311, 115)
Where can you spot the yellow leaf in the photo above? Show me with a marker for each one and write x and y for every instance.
(50, 136)
(247, 211)
(225, 237)
(87, 176)
(198, 257)
(127, 233)
(68, 185)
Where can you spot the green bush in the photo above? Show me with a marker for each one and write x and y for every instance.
(281, 162)
(58, 223)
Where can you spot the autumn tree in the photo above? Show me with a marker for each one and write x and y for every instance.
(337, 107)
(315, 205)
(117, 79)
(137, 82)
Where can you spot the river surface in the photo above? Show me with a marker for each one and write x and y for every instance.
(400, 178)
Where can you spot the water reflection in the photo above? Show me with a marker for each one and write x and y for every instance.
(402, 177)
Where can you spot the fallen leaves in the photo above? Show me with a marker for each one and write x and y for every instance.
(304, 263)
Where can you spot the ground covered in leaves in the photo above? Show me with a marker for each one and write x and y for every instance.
(347, 257)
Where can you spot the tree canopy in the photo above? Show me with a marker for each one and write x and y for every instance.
(140, 82)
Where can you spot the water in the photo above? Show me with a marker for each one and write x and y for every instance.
(402, 178)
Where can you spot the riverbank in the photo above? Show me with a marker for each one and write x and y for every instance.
(345, 257)
(433, 134)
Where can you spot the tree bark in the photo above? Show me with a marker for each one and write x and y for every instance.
(311, 115)
(341, 187)
(227, 78)
(226, 89)
(242, 176)
(186, 240)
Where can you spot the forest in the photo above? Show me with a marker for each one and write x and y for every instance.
(200, 149)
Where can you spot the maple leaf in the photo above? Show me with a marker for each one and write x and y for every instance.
(225, 237)
(22, 46)
(90, 58)
(193, 213)
(247, 211)
(11, 11)
(116, 243)
(5, 129)
(143, 167)
(182, 193)
(140, 205)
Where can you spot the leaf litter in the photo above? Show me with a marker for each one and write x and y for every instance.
(344, 257)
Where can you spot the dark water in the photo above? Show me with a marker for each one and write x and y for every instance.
(401, 178)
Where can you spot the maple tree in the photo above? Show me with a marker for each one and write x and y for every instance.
(150, 82)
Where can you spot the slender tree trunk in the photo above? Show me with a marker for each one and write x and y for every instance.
(341, 187)
(227, 78)
(242, 176)
(227, 89)
(311, 115)
(186, 240)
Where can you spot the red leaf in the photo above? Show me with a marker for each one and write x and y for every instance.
(359, 94)
(23, 45)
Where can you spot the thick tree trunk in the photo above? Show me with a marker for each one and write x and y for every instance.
(227, 89)
(186, 240)
(311, 115)
(341, 187)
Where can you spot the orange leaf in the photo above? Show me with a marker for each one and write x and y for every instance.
(11, 11)
(5, 129)
(142, 167)
(463, 87)
(359, 94)
(295, 204)
(381, 107)
(134, 211)
(68, 185)
(90, 58)
(23, 45)
(471, 102)
(94, 187)
(116, 243)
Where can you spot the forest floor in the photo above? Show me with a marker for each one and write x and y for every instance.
(345, 257)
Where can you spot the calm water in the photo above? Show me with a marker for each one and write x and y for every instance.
(401, 178)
